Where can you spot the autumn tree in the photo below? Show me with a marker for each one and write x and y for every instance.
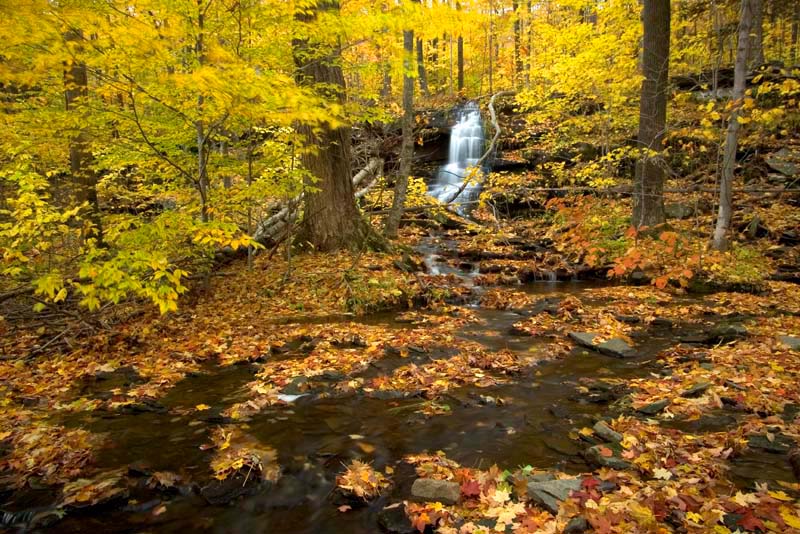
(725, 212)
(649, 197)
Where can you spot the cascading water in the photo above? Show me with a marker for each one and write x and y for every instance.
(466, 148)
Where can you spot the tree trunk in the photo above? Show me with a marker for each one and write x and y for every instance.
(720, 240)
(386, 90)
(76, 88)
(795, 32)
(331, 218)
(517, 37)
(648, 209)
(460, 62)
(421, 74)
(407, 146)
(758, 33)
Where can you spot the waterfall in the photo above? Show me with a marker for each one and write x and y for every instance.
(466, 148)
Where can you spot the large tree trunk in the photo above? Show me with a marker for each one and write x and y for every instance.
(720, 240)
(407, 146)
(758, 33)
(331, 218)
(648, 209)
(76, 89)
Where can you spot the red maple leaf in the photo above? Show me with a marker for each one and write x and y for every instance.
(751, 522)
(590, 483)
(470, 488)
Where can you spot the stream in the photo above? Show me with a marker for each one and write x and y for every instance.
(526, 421)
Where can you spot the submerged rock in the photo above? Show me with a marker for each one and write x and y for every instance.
(549, 494)
(430, 490)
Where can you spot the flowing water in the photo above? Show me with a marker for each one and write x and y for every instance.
(466, 148)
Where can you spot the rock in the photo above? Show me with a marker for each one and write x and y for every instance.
(583, 339)
(430, 490)
(775, 443)
(576, 525)
(678, 211)
(144, 406)
(654, 408)
(219, 492)
(784, 161)
(296, 386)
(662, 322)
(628, 319)
(696, 390)
(617, 348)
(639, 278)
(549, 494)
(393, 519)
(792, 342)
(594, 455)
(727, 332)
(558, 411)
(606, 432)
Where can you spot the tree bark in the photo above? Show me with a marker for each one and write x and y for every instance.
(518, 68)
(758, 33)
(460, 62)
(648, 209)
(407, 146)
(76, 88)
(720, 239)
(331, 218)
(421, 73)
(795, 32)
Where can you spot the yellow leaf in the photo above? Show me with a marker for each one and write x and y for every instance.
(780, 495)
(202, 407)
(791, 519)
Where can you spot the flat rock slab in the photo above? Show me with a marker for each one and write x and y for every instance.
(606, 432)
(776, 443)
(654, 408)
(430, 490)
(696, 390)
(615, 347)
(549, 494)
(793, 342)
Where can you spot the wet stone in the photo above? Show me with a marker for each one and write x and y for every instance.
(654, 408)
(628, 319)
(662, 322)
(296, 386)
(594, 455)
(430, 490)
(696, 390)
(606, 432)
(550, 494)
(583, 339)
(224, 491)
(728, 332)
(776, 444)
(617, 348)
(393, 519)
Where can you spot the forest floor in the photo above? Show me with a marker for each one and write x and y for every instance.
(685, 423)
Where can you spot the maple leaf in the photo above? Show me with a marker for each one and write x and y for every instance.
(470, 488)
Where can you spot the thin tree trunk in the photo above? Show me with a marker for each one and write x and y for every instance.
(720, 239)
(421, 74)
(460, 62)
(648, 209)
(758, 33)
(517, 37)
(202, 154)
(407, 146)
(331, 218)
(795, 32)
(76, 88)
(386, 90)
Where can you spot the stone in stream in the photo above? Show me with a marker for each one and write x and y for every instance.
(583, 339)
(219, 492)
(549, 494)
(628, 319)
(393, 519)
(774, 443)
(577, 525)
(792, 342)
(296, 386)
(654, 407)
(696, 390)
(606, 432)
(598, 456)
(617, 348)
(430, 490)
(727, 332)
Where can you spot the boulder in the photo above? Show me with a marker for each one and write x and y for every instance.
(784, 161)
(678, 211)
(430, 490)
(550, 493)
(583, 339)
(792, 342)
(774, 443)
